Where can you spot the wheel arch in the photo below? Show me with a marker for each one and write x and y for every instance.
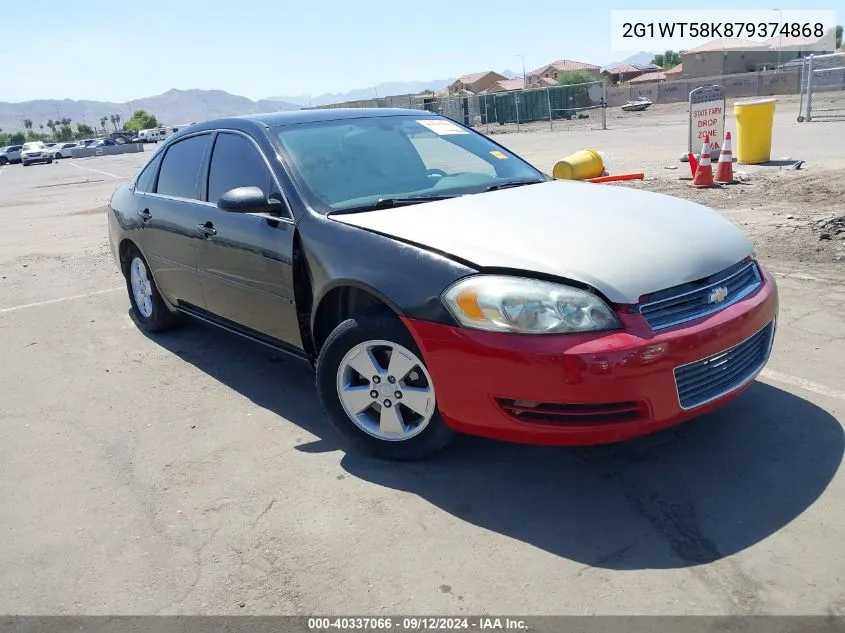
(341, 299)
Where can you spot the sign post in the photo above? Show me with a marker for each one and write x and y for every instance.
(707, 118)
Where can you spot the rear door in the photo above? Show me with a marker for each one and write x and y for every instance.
(169, 212)
(245, 266)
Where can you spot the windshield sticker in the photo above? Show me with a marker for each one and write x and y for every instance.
(498, 154)
(441, 127)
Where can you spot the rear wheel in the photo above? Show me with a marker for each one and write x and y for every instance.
(3, 161)
(151, 313)
(376, 389)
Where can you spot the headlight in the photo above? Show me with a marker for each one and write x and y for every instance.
(529, 306)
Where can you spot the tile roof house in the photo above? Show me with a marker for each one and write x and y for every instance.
(506, 85)
(619, 73)
(727, 56)
(517, 83)
(555, 69)
(649, 78)
(475, 82)
(677, 71)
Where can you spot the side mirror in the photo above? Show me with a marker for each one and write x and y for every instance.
(248, 200)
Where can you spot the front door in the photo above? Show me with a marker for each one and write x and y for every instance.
(169, 211)
(245, 263)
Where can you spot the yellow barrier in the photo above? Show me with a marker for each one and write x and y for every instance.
(754, 121)
(583, 164)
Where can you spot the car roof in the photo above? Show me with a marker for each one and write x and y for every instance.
(293, 117)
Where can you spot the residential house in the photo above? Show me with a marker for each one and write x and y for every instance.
(620, 73)
(647, 78)
(475, 82)
(518, 83)
(556, 69)
(676, 72)
(733, 55)
(787, 48)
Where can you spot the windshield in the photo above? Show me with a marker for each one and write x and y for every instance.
(353, 163)
(31, 146)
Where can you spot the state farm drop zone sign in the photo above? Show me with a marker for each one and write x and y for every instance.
(707, 118)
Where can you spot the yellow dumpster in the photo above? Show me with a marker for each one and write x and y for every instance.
(754, 120)
(583, 164)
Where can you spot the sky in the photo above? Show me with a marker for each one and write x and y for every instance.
(114, 50)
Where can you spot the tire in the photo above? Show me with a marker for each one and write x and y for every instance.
(3, 161)
(24, 163)
(425, 433)
(153, 315)
(50, 162)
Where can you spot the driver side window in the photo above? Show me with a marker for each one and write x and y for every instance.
(235, 162)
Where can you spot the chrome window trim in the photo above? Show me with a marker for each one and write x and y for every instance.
(288, 220)
(772, 324)
(758, 281)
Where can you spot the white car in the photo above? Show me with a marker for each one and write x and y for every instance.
(64, 150)
(35, 152)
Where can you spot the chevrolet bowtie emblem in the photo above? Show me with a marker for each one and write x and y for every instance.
(717, 295)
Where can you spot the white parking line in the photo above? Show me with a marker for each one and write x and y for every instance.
(59, 300)
(105, 173)
(807, 385)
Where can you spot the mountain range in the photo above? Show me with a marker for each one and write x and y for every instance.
(180, 107)
(381, 90)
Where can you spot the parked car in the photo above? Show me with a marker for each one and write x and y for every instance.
(102, 142)
(438, 283)
(64, 150)
(35, 152)
(10, 154)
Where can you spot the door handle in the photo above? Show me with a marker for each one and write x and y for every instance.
(145, 214)
(207, 229)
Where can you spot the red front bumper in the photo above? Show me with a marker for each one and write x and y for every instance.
(614, 386)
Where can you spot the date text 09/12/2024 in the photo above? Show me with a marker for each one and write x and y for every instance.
(420, 623)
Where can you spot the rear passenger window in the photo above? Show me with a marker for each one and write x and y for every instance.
(236, 162)
(180, 167)
(145, 180)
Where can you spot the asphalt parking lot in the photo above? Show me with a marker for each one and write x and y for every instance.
(194, 473)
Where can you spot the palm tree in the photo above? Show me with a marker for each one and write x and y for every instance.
(103, 120)
(27, 123)
(116, 120)
(41, 127)
(66, 121)
(52, 125)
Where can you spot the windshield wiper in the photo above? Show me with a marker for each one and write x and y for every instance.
(512, 183)
(386, 203)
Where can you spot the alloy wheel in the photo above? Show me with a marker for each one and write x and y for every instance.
(386, 390)
(142, 289)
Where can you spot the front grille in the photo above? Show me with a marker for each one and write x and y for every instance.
(712, 377)
(698, 299)
(571, 413)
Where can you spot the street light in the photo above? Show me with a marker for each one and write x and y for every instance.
(524, 82)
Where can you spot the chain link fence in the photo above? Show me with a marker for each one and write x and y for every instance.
(516, 108)
(822, 96)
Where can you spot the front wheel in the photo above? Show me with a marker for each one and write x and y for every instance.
(376, 390)
(3, 161)
(24, 163)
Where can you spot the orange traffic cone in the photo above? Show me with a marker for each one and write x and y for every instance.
(704, 170)
(725, 167)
